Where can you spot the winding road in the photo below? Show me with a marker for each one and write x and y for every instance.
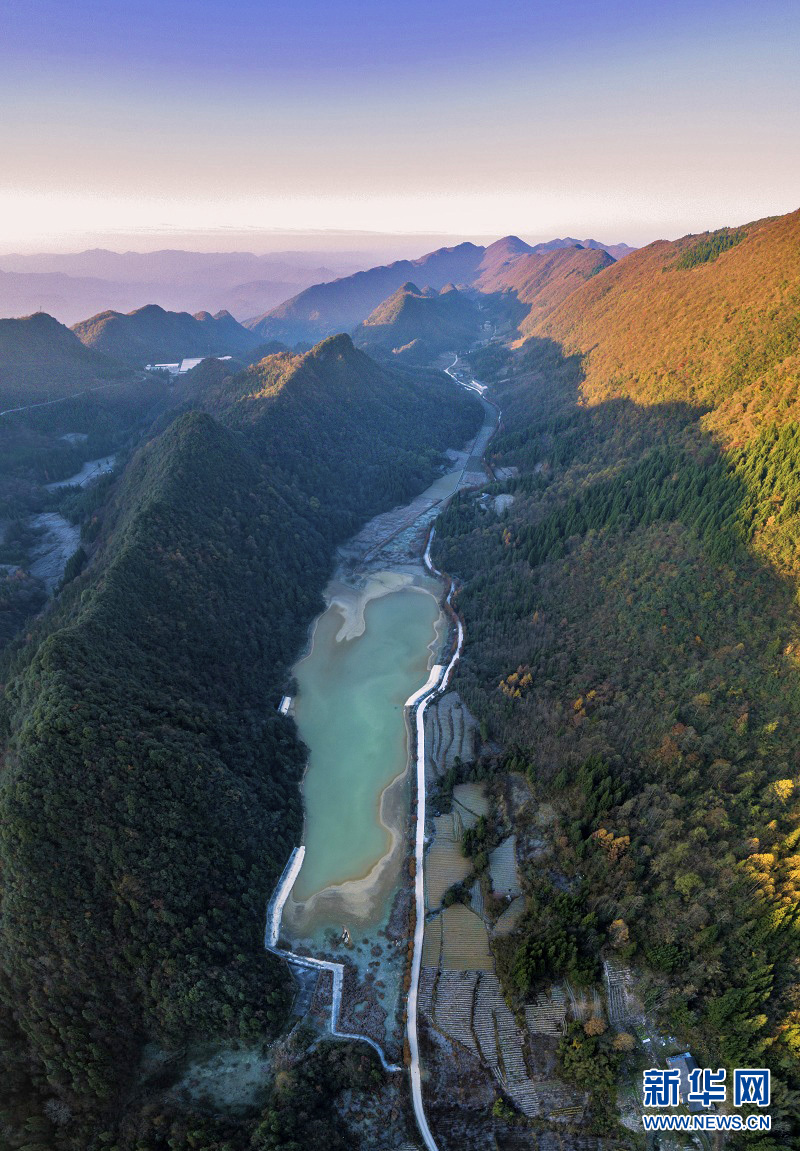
(437, 683)
(73, 396)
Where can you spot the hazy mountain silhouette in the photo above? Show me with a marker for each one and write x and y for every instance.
(75, 285)
(347, 302)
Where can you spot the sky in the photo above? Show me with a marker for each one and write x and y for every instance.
(232, 125)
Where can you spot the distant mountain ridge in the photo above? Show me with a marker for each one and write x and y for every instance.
(168, 265)
(72, 286)
(341, 305)
(618, 251)
(345, 303)
(151, 334)
(540, 281)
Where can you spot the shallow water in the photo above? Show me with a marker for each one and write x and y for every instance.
(58, 541)
(90, 471)
(349, 712)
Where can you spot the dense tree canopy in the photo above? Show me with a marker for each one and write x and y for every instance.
(150, 794)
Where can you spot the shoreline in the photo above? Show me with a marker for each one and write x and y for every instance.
(358, 897)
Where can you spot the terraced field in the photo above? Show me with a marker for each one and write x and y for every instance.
(502, 1044)
(503, 868)
(510, 917)
(454, 1000)
(623, 1006)
(476, 900)
(432, 943)
(465, 941)
(471, 802)
(547, 1015)
(445, 863)
(450, 734)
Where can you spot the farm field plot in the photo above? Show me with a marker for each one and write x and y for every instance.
(450, 734)
(503, 867)
(448, 828)
(465, 941)
(427, 983)
(623, 1006)
(502, 1044)
(455, 994)
(445, 865)
(471, 802)
(432, 942)
(510, 917)
(548, 1014)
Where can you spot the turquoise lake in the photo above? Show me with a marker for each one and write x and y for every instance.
(349, 712)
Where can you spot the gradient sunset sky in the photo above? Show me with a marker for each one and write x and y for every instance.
(620, 120)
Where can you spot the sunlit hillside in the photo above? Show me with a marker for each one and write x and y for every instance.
(541, 281)
(712, 320)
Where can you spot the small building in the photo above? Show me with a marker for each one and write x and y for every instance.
(185, 365)
(173, 369)
(684, 1063)
(193, 361)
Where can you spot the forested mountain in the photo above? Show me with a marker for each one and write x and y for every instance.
(42, 360)
(152, 335)
(419, 325)
(708, 320)
(632, 629)
(539, 282)
(150, 792)
(343, 304)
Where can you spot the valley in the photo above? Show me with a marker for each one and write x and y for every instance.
(400, 576)
(517, 559)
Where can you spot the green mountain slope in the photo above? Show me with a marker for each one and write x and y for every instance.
(633, 632)
(150, 792)
(419, 325)
(42, 360)
(153, 335)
